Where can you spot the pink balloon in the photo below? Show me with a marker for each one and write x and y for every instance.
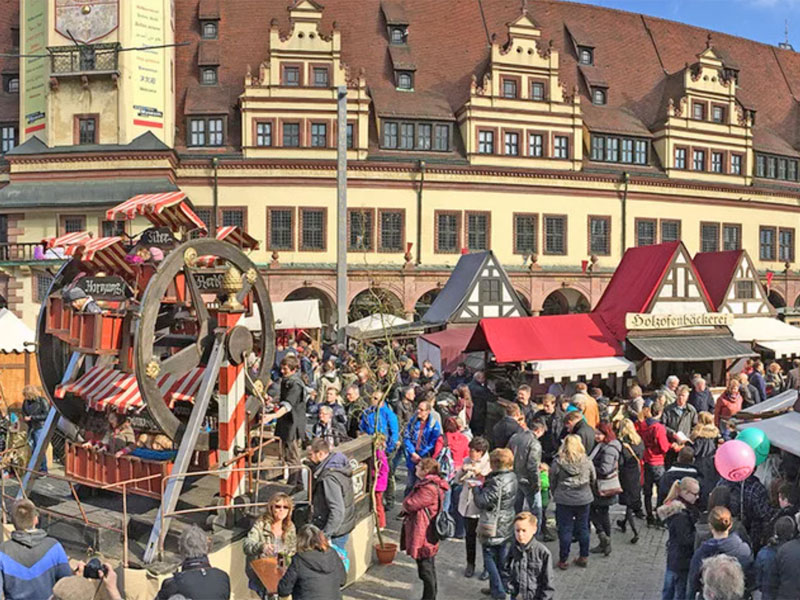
(735, 460)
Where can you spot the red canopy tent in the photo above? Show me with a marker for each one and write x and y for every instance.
(169, 209)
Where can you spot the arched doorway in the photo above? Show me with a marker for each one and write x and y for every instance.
(327, 308)
(797, 302)
(373, 301)
(776, 299)
(424, 303)
(565, 301)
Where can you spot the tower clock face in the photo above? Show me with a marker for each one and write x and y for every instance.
(86, 20)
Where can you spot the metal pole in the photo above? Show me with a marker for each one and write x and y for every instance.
(212, 226)
(341, 213)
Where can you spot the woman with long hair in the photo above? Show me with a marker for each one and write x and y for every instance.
(463, 405)
(630, 475)
(572, 477)
(273, 534)
(420, 508)
(605, 457)
(679, 513)
(705, 439)
(316, 572)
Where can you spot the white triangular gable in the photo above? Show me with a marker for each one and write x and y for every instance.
(679, 290)
(491, 295)
(746, 296)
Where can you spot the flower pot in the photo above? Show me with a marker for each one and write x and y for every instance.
(386, 552)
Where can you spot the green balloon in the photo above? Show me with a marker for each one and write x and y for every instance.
(757, 440)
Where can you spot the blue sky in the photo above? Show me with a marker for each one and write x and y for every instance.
(761, 20)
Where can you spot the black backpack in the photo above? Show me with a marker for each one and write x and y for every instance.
(443, 525)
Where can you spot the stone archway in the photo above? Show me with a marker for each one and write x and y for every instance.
(776, 300)
(523, 299)
(424, 302)
(373, 301)
(327, 307)
(565, 301)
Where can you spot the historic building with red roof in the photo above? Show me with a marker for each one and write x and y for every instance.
(553, 133)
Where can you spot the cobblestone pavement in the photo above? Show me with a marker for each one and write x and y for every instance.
(632, 572)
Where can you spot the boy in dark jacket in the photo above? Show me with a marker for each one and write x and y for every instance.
(30, 562)
(530, 565)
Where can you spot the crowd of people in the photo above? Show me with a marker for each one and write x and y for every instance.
(503, 464)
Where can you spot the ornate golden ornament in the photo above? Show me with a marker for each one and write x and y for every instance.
(152, 369)
(86, 9)
(258, 386)
(190, 257)
(232, 284)
(251, 275)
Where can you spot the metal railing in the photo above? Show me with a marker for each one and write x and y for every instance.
(80, 60)
(84, 519)
(20, 251)
(210, 508)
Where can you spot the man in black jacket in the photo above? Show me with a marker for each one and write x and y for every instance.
(332, 498)
(197, 578)
(507, 426)
(553, 418)
(576, 424)
(35, 408)
(291, 415)
(481, 395)
(701, 397)
(527, 450)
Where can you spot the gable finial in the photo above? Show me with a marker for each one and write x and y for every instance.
(524, 7)
(708, 40)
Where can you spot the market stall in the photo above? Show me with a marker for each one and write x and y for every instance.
(446, 348)
(17, 358)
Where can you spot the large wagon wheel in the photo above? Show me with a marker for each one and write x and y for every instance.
(158, 351)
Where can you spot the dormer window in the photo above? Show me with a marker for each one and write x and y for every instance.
(598, 96)
(209, 30)
(585, 55)
(208, 76)
(397, 35)
(405, 80)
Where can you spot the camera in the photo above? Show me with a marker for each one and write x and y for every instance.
(93, 569)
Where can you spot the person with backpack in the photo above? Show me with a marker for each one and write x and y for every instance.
(496, 500)
(418, 537)
(332, 501)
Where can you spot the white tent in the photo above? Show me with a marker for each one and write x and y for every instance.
(292, 314)
(781, 338)
(373, 323)
(15, 336)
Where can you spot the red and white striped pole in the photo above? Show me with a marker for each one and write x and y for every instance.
(232, 419)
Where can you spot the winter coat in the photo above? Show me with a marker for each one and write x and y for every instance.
(656, 444)
(571, 484)
(530, 570)
(503, 430)
(675, 473)
(727, 405)
(758, 512)
(549, 441)
(731, 545)
(30, 565)
(261, 533)
(382, 478)
(332, 500)
(527, 458)
(37, 409)
(420, 508)
(197, 579)
(334, 432)
(313, 575)
(702, 401)
(480, 399)
(630, 475)
(459, 447)
(679, 421)
(586, 432)
(422, 444)
(591, 411)
(325, 382)
(496, 499)
(466, 502)
(606, 463)
(705, 440)
(387, 424)
(787, 575)
(703, 531)
(680, 519)
(757, 381)
(292, 425)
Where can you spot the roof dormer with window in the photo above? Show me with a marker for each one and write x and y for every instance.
(519, 114)
(289, 106)
(705, 134)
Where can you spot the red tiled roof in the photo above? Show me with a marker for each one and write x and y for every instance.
(394, 12)
(449, 42)
(593, 76)
(716, 270)
(607, 119)
(390, 102)
(402, 58)
(208, 9)
(208, 53)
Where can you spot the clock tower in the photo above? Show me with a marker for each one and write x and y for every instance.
(97, 71)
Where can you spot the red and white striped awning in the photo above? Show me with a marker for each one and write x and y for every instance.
(238, 237)
(103, 387)
(106, 253)
(163, 210)
(76, 237)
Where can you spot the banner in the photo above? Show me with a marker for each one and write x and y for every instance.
(35, 69)
(149, 71)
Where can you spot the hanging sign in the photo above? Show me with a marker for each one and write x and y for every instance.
(641, 321)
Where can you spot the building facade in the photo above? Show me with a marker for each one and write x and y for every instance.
(555, 134)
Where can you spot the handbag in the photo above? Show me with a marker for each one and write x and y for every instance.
(487, 527)
(443, 524)
(609, 485)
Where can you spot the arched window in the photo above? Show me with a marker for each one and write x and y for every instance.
(404, 81)
(398, 35)
(598, 96)
(210, 30)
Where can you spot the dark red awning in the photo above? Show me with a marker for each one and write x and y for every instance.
(559, 337)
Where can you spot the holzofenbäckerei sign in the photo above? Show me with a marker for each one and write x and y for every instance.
(676, 321)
